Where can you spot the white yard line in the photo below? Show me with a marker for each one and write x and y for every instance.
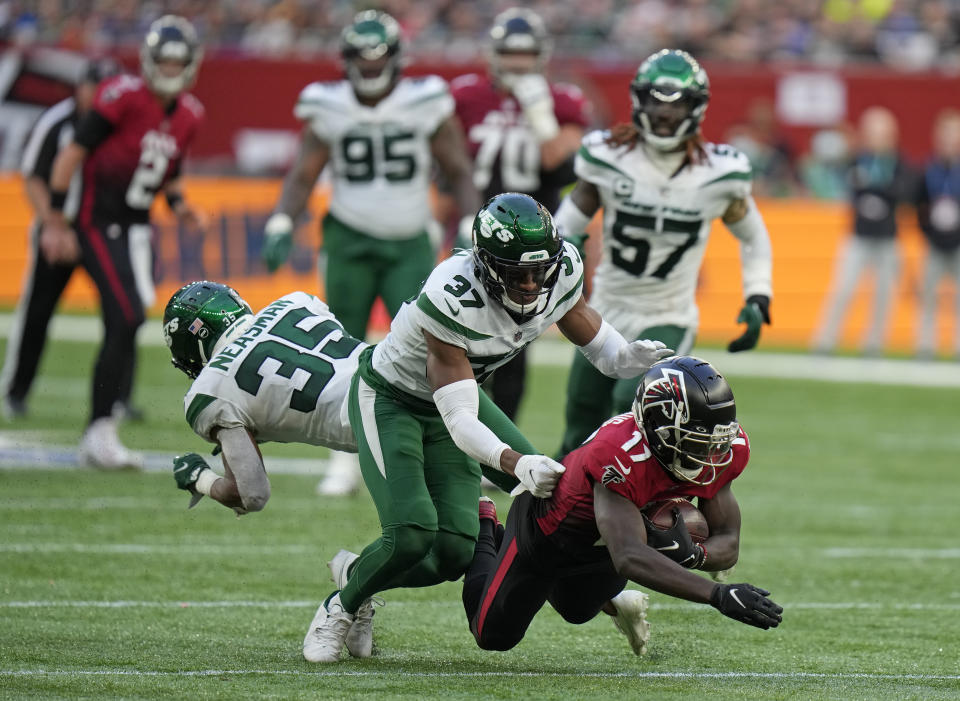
(392, 673)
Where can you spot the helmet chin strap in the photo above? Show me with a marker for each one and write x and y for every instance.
(235, 330)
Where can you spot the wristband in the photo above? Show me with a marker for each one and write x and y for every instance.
(173, 199)
(58, 198)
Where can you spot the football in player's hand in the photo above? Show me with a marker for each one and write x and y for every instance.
(660, 514)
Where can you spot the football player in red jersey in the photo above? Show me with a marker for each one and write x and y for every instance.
(522, 133)
(580, 547)
(130, 146)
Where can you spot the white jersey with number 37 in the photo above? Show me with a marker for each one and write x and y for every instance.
(655, 228)
(380, 156)
(454, 307)
(286, 379)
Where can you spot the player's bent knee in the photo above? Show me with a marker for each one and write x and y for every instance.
(408, 545)
(497, 642)
(257, 500)
(454, 554)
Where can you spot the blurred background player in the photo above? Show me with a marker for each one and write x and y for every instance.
(660, 187)
(682, 439)
(879, 181)
(523, 133)
(131, 145)
(381, 133)
(938, 208)
(45, 281)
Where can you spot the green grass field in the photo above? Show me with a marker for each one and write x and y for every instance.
(109, 588)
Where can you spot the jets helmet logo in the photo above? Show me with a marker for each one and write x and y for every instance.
(489, 226)
(669, 393)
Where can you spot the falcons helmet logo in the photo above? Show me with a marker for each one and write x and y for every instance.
(669, 393)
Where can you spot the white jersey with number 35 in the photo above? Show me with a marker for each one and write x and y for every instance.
(380, 156)
(655, 228)
(286, 379)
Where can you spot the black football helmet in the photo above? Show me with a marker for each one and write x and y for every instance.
(170, 38)
(518, 31)
(686, 409)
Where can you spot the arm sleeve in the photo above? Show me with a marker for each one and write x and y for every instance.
(756, 254)
(93, 129)
(603, 349)
(458, 404)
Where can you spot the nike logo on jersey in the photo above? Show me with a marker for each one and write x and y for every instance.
(452, 310)
(673, 546)
(624, 470)
(733, 595)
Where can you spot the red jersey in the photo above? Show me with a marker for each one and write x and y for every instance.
(506, 154)
(618, 457)
(143, 150)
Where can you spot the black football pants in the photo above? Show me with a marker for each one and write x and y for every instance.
(510, 580)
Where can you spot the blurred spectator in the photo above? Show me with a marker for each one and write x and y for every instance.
(770, 156)
(879, 181)
(823, 171)
(906, 34)
(938, 209)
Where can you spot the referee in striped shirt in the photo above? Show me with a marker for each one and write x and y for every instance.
(45, 282)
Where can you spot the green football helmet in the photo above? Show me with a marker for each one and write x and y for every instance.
(370, 48)
(517, 252)
(199, 320)
(670, 93)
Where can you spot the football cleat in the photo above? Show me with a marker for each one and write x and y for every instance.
(631, 618)
(342, 477)
(328, 631)
(100, 447)
(488, 511)
(186, 471)
(359, 639)
(14, 408)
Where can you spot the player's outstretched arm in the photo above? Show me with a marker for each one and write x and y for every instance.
(756, 258)
(449, 149)
(621, 525)
(457, 397)
(297, 186)
(605, 348)
(575, 212)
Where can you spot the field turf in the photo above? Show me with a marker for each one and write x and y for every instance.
(109, 588)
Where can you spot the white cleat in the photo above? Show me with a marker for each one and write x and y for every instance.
(631, 618)
(100, 447)
(359, 640)
(327, 633)
(343, 475)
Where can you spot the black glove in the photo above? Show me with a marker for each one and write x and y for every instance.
(675, 542)
(747, 604)
(754, 314)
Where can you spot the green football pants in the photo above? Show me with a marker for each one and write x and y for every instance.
(592, 397)
(425, 489)
(359, 268)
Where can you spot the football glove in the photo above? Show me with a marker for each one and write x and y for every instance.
(635, 358)
(187, 469)
(747, 604)
(538, 474)
(754, 314)
(533, 93)
(675, 542)
(278, 238)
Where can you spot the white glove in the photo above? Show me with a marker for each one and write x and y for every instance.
(533, 93)
(635, 358)
(538, 474)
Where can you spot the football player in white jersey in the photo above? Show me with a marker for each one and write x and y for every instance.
(380, 133)
(423, 427)
(280, 375)
(660, 186)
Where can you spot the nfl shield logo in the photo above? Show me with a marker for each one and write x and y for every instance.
(195, 326)
(518, 335)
